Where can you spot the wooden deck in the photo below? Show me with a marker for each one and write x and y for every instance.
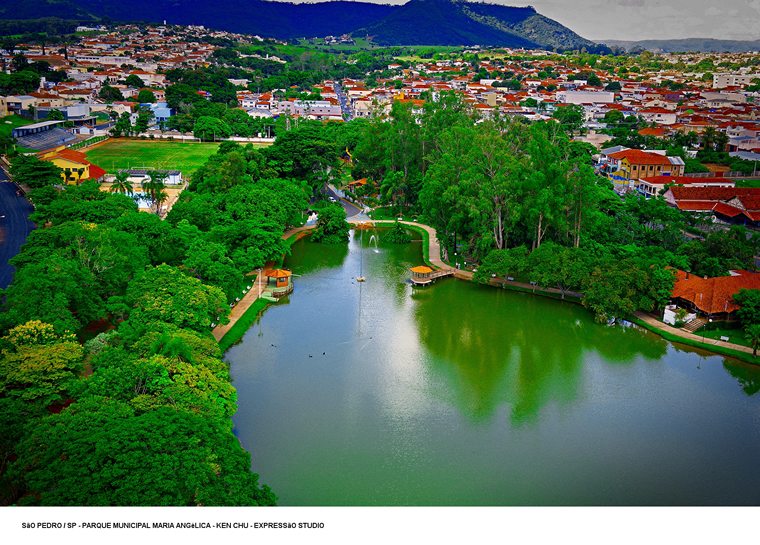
(432, 277)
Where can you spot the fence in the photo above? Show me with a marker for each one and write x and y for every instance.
(89, 142)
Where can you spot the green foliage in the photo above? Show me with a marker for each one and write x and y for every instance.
(397, 234)
(570, 117)
(211, 128)
(33, 172)
(38, 365)
(135, 81)
(749, 313)
(166, 294)
(332, 226)
(145, 96)
(512, 262)
(100, 452)
(110, 94)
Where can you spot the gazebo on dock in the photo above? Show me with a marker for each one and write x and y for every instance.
(421, 275)
(279, 282)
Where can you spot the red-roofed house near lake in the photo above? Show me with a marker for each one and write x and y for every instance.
(712, 297)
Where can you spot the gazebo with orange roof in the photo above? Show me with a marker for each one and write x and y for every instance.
(421, 274)
(282, 281)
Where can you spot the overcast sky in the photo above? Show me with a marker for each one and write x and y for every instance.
(648, 19)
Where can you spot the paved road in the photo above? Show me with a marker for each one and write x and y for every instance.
(351, 209)
(344, 103)
(14, 226)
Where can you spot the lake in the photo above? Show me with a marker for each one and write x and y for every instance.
(378, 393)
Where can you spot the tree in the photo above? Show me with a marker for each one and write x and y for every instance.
(155, 189)
(144, 117)
(210, 128)
(110, 94)
(100, 452)
(752, 333)
(121, 183)
(570, 117)
(123, 126)
(39, 364)
(749, 314)
(503, 263)
(33, 172)
(166, 294)
(55, 115)
(135, 81)
(146, 96)
(332, 226)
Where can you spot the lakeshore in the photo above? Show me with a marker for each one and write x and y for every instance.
(432, 256)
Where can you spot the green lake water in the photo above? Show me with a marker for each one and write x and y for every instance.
(460, 394)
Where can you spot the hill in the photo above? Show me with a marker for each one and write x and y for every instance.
(704, 45)
(419, 22)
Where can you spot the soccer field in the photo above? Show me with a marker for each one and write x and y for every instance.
(120, 154)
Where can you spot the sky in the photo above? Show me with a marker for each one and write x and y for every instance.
(648, 19)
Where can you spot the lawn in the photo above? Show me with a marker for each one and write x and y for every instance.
(10, 122)
(735, 336)
(117, 154)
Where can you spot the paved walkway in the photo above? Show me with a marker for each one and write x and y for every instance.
(255, 292)
(654, 322)
(241, 306)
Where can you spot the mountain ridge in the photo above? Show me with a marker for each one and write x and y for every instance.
(418, 22)
(689, 45)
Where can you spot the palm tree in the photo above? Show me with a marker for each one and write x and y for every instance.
(121, 183)
(155, 190)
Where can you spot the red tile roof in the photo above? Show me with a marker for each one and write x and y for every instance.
(690, 193)
(713, 295)
(638, 157)
(687, 180)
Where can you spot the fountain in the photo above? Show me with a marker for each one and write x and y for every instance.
(374, 237)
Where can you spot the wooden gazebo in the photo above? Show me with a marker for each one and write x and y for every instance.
(279, 281)
(421, 275)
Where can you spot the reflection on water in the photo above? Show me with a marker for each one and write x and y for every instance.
(457, 394)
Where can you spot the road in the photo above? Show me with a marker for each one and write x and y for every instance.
(351, 209)
(14, 226)
(344, 104)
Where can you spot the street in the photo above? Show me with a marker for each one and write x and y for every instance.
(14, 226)
(343, 99)
(351, 209)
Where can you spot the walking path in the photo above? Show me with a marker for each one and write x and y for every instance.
(254, 293)
(654, 322)
(434, 256)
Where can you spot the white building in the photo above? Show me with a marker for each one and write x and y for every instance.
(586, 97)
(723, 80)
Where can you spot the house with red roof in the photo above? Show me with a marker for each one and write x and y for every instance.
(712, 297)
(634, 164)
(76, 168)
(653, 185)
(734, 205)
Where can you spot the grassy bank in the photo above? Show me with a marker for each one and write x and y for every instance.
(425, 242)
(717, 349)
(245, 322)
(249, 317)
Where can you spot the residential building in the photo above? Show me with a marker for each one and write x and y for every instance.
(713, 297)
(635, 164)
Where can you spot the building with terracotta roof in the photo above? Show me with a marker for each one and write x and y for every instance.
(76, 168)
(634, 164)
(736, 205)
(713, 297)
(653, 185)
